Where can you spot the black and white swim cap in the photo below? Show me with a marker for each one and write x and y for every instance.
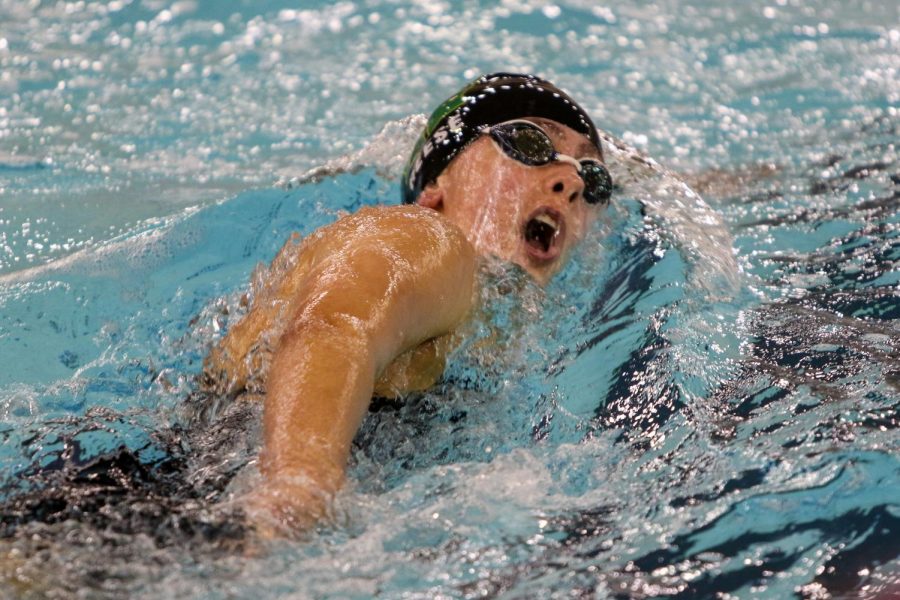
(488, 100)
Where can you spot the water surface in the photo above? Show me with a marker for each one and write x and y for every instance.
(671, 418)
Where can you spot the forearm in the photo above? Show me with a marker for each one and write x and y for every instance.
(321, 383)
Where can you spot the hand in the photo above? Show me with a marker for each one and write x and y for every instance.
(287, 508)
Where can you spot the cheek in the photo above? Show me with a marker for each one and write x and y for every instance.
(490, 194)
(582, 219)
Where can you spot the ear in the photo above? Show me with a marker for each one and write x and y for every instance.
(432, 197)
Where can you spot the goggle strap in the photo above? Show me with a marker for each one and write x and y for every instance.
(565, 158)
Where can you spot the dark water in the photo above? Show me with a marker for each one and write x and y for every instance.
(654, 424)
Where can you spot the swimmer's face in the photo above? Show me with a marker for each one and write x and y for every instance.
(529, 215)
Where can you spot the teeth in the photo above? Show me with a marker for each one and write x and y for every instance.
(547, 220)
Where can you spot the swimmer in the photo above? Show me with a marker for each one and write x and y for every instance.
(509, 167)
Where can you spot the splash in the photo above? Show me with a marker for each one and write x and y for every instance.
(387, 152)
(680, 216)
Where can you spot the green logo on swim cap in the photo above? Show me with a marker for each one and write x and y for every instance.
(448, 106)
(441, 112)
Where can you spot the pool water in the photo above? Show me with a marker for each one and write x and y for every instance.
(705, 402)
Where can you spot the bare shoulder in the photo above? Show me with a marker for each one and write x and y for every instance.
(395, 226)
(391, 252)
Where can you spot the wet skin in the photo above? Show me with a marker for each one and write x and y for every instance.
(494, 198)
(368, 303)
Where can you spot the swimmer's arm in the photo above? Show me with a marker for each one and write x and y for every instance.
(394, 278)
(230, 364)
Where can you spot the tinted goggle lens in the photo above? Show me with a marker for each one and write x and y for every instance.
(528, 144)
(524, 142)
(598, 183)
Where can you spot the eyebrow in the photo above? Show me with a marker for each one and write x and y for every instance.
(588, 149)
(551, 125)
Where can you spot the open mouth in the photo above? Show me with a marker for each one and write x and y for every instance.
(544, 232)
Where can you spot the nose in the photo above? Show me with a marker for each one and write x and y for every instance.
(563, 181)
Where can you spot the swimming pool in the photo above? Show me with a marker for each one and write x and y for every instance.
(670, 427)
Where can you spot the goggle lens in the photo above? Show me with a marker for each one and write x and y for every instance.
(529, 144)
(524, 143)
(598, 183)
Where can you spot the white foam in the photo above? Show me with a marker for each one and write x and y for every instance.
(386, 152)
(683, 217)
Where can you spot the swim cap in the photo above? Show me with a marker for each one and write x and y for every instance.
(488, 100)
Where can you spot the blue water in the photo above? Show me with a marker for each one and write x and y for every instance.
(697, 405)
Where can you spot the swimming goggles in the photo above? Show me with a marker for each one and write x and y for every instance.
(528, 144)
